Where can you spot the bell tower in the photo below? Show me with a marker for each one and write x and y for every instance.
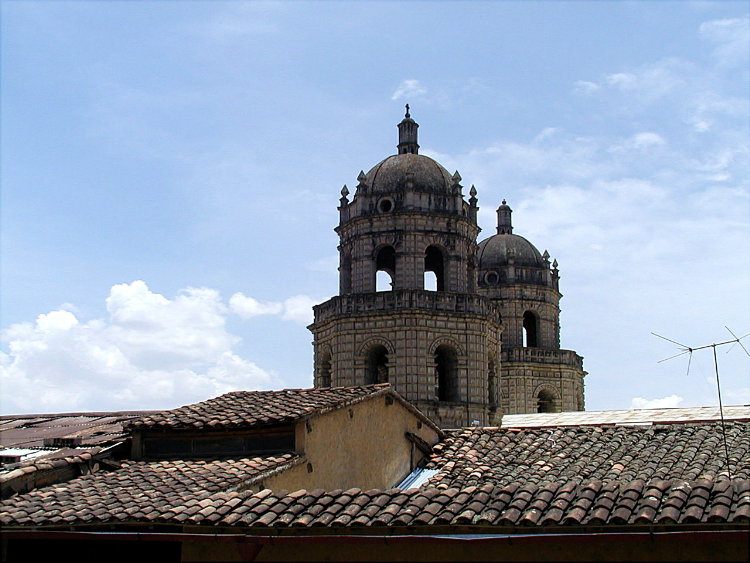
(536, 374)
(408, 311)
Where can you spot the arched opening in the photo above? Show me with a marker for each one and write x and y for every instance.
(377, 365)
(491, 384)
(545, 402)
(434, 263)
(385, 269)
(324, 370)
(530, 329)
(446, 373)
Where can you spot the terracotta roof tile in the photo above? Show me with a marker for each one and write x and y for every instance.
(566, 476)
(252, 408)
(662, 503)
(172, 490)
(502, 456)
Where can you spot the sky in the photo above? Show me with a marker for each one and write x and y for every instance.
(171, 172)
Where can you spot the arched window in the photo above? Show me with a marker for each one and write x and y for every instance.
(377, 365)
(545, 402)
(385, 269)
(434, 263)
(530, 329)
(446, 373)
(324, 370)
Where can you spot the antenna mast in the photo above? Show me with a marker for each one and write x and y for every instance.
(689, 350)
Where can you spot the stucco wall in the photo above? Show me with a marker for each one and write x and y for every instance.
(360, 446)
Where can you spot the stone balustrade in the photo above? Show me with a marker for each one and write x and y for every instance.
(542, 356)
(406, 299)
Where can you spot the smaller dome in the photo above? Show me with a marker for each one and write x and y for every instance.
(408, 171)
(494, 252)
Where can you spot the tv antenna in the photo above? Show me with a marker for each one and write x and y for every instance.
(688, 350)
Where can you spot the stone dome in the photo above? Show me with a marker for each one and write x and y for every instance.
(408, 171)
(494, 252)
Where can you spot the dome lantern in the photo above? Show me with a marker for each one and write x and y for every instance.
(407, 135)
(504, 224)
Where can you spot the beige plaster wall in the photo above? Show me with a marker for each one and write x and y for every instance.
(358, 446)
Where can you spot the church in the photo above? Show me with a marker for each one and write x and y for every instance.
(444, 423)
(466, 331)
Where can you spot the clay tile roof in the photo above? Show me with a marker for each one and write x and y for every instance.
(625, 454)
(510, 478)
(127, 500)
(140, 490)
(240, 409)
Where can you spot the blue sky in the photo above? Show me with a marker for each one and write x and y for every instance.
(171, 171)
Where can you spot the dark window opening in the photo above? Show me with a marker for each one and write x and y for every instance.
(530, 329)
(446, 374)
(257, 443)
(385, 269)
(433, 262)
(491, 384)
(324, 370)
(218, 446)
(385, 205)
(545, 402)
(377, 365)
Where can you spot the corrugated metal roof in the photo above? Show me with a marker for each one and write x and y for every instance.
(93, 429)
(632, 416)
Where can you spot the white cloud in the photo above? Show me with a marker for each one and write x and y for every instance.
(647, 139)
(738, 396)
(153, 331)
(297, 308)
(623, 80)
(731, 38)
(639, 141)
(646, 84)
(663, 403)
(409, 88)
(151, 352)
(546, 133)
(654, 81)
(585, 87)
(248, 307)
